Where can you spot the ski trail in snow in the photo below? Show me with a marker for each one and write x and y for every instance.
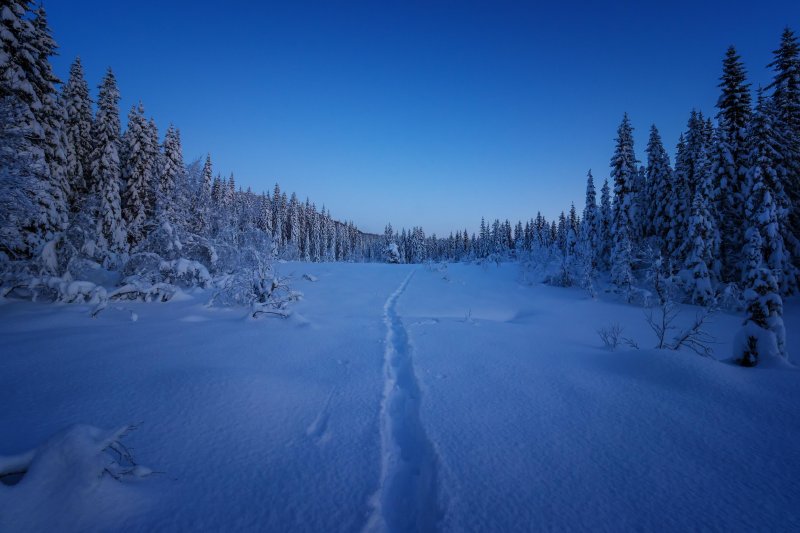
(406, 497)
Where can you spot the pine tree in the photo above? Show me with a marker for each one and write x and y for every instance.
(729, 159)
(153, 182)
(700, 252)
(605, 225)
(105, 168)
(293, 223)
(623, 172)
(589, 232)
(35, 208)
(659, 189)
(78, 130)
(678, 208)
(316, 235)
(786, 121)
(767, 207)
(23, 183)
(640, 229)
(201, 203)
(763, 334)
(53, 119)
(690, 168)
(136, 174)
(561, 233)
(278, 213)
(621, 261)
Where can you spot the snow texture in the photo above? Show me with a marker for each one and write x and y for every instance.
(455, 400)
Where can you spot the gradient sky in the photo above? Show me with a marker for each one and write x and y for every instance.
(417, 113)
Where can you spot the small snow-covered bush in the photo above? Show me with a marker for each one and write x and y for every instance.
(137, 289)
(261, 289)
(753, 344)
(185, 272)
(392, 253)
(150, 268)
(52, 289)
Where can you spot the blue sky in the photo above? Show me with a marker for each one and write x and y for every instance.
(417, 113)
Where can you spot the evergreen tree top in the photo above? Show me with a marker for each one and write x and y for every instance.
(787, 60)
(735, 102)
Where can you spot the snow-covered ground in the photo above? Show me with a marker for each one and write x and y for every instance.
(397, 397)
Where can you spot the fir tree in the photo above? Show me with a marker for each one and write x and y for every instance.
(35, 208)
(78, 130)
(700, 253)
(605, 225)
(659, 188)
(763, 335)
(786, 121)
(53, 119)
(767, 206)
(136, 174)
(590, 223)
(623, 172)
(105, 167)
(153, 182)
(729, 159)
(201, 203)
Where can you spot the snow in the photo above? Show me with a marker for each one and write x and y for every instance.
(499, 392)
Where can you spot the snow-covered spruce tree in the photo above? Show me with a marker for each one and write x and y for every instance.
(316, 235)
(623, 172)
(106, 172)
(729, 160)
(589, 241)
(621, 261)
(705, 189)
(699, 284)
(78, 130)
(28, 135)
(23, 182)
(659, 186)
(156, 157)
(136, 174)
(673, 208)
(641, 227)
(785, 110)
(170, 198)
(519, 241)
(293, 229)
(200, 220)
(694, 146)
(767, 206)
(763, 335)
(306, 242)
(278, 213)
(561, 234)
(53, 123)
(604, 228)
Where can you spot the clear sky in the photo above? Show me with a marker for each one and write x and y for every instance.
(417, 113)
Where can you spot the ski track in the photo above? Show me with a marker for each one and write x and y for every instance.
(406, 499)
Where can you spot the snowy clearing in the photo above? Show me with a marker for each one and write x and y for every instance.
(396, 397)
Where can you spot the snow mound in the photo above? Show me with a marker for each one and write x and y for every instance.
(77, 468)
